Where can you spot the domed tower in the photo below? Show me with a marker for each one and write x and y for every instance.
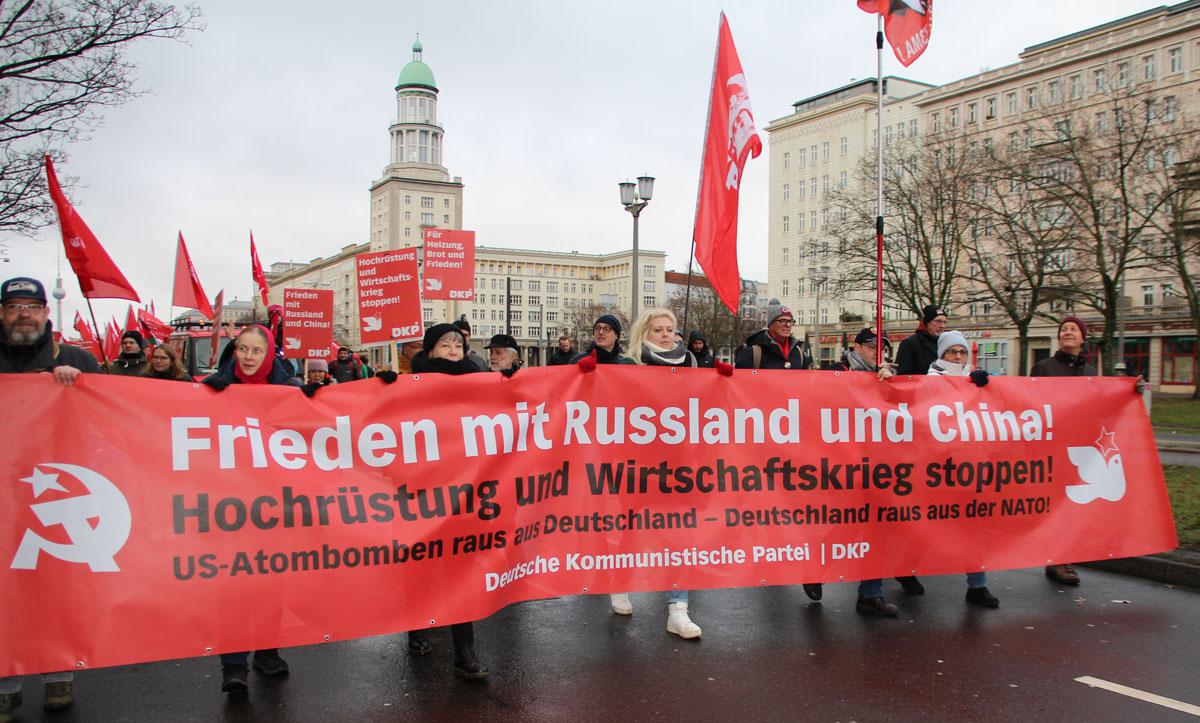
(416, 191)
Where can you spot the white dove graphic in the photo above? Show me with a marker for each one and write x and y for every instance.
(372, 323)
(291, 342)
(1101, 469)
(433, 284)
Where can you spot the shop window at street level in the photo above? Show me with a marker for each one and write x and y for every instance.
(1179, 360)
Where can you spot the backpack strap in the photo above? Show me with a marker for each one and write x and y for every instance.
(756, 353)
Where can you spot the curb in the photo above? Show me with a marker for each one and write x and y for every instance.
(1166, 568)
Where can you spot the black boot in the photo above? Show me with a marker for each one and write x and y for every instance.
(418, 643)
(911, 585)
(268, 662)
(876, 606)
(982, 597)
(233, 679)
(467, 665)
(813, 590)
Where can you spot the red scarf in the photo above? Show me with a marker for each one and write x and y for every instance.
(264, 370)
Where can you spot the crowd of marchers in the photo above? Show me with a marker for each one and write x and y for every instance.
(254, 356)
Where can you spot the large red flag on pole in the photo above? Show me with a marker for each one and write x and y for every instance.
(188, 291)
(907, 24)
(256, 271)
(729, 141)
(99, 277)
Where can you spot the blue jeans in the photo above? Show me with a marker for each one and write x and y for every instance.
(874, 588)
(679, 596)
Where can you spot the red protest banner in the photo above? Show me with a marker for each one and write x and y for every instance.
(308, 325)
(449, 265)
(160, 507)
(389, 296)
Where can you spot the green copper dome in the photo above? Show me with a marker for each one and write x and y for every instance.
(417, 73)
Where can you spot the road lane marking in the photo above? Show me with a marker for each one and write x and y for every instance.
(1140, 695)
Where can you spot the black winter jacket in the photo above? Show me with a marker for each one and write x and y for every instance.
(43, 355)
(772, 354)
(1062, 364)
(917, 353)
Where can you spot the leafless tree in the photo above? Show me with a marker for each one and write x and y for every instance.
(707, 314)
(62, 62)
(928, 213)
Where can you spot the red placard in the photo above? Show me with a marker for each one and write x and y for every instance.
(449, 265)
(389, 296)
(308, 323)
(141, 511)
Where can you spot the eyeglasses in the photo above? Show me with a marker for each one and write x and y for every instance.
(603, 329)
(785, 322)
(955, 352)
(18, 308)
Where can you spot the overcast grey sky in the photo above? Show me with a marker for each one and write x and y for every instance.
(275, 119)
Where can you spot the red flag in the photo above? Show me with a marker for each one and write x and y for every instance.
(729, 141)
(188, 291)
(907, 24)
(156, 327)
(131, 321)
(87, 335)
(99, 277)
(257, 272)
(112, 340)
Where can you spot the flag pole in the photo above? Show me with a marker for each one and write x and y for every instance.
(100, 344)
(700, 181)
(879, 199)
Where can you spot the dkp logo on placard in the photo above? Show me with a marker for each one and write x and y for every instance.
(93, 545)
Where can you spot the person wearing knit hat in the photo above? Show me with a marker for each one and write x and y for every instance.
(443, 352)
(132, 360)
(919, 349)
(606, 342)
(954, 360)
(1067, 361)
(318, 373)
(774, 347)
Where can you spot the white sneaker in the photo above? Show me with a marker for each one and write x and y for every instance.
(679, 623)
(621, 604)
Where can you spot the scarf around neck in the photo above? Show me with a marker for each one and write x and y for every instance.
(676, 356)
(264, 370)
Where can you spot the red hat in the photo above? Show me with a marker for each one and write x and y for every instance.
(1077, 322)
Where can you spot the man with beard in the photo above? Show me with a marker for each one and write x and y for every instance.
(27, 345)
(774, 347)
(132, 361)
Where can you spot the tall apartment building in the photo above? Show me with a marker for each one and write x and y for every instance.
(1157, 50)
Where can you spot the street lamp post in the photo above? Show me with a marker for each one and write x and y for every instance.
(634, 198)
(817, 277)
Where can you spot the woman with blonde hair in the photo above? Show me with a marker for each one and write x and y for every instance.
(652, 342)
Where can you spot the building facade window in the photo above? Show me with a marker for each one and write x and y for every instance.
(786, 224)
(1149, 67)
(1011, 100)
(845, 145)
(1076, 87)
(953, 118)
(990, 108)
(786, 160)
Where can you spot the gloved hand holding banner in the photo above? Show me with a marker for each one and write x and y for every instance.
(145, 520)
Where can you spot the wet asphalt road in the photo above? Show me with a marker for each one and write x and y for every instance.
(767, 654)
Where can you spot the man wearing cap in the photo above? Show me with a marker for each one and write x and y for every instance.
(504, 355)
(345, 368)
(465, 327)
(27, 345)
(919, 350)
(606, 342)
(1068, 361)
(132, 360)
(774, 347)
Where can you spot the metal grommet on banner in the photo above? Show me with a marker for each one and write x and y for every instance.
(585, 589)
(753, 372)
(672, 370)
(837, 374)
(207, 650)
(841, 578)
(326, 637)
(79, 664)
(674, 586)
(762, 582)
(982, 568)
(415, 377)
(432, 621)
(1049, 561)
